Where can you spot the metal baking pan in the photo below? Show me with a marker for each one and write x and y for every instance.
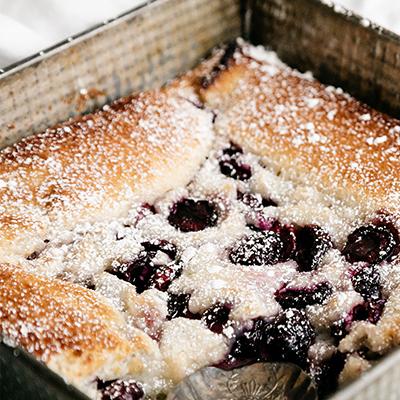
(144, 48)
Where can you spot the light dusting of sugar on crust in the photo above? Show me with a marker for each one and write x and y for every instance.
(327, 132)
(53, 316)
(96, 166)
(295, 127)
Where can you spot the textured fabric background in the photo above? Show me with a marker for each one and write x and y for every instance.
(27, 26)
(383, 12)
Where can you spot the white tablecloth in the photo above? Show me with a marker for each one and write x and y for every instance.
(28, 26)
(383, 12)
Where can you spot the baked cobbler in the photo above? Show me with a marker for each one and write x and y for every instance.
(243, 212)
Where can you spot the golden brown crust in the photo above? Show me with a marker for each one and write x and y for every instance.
(69, 327)
(48, 316)
(94, 167)
(308, 131)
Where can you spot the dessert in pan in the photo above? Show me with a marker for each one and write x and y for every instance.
(245, 212)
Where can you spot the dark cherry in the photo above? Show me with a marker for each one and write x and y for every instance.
(190, 215)
(33, 256)
(119, 389)
(178, 306)
(326, 373)
(163, 276)
(235, 169)
(230, 166)
(142, 211)
(90, 285)
(375, 309)
(368, 311)
(372, 243)
(287, 233)
(312, 244)
(137, 272)
(149, 207)
(259, 248)
(289, 337)
(263, 224)
(217, 317)
(286, 338)
(269, 203)
(248, 347)
(164, 246)
(255, 201)
(367, 281)
(232, 150)
(302, 297)
(143, 273)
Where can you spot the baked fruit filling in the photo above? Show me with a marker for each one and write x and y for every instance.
(262, 255)
(253, 262)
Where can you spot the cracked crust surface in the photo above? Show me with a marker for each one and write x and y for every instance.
(72, 329)
(94, 167)
(307, 131)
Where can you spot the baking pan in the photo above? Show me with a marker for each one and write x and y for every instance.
(144, 48)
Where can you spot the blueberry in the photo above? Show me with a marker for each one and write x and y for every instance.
(312, 244)
(367, 281)
(217, 317)
(260, 248)
(341, 327)
(190, 215)
(302, 297)
(372, 243)
(119, 389)
(142, 211)
(262, 224)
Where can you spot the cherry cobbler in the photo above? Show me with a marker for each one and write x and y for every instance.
(243, 213)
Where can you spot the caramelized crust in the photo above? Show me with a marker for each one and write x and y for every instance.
(94, 167)
(69, 327)
(48, 317)
(307, 131)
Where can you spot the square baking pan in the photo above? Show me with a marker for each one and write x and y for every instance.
(153, 43)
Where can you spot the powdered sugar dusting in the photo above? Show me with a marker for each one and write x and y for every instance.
(309, 151)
